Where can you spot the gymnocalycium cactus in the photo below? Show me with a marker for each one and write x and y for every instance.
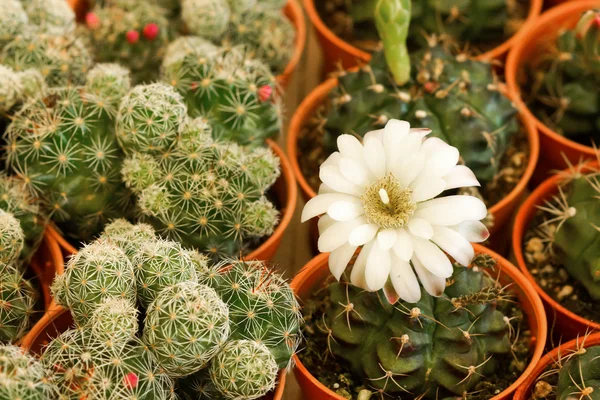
(22, 376)
(17, 301)
(565, 80)
(64, 148)
(580, 374)
(235, 94)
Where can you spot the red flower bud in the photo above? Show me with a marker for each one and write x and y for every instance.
(132, 36)
(265, 92)
(92, 20)
(131, 380)
(150, 31)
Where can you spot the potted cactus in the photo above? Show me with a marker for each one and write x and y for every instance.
(348, 33)
(459, 98)
(554, 241)
(23, 376)
(554, 70)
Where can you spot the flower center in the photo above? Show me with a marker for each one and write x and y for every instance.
(387, 204)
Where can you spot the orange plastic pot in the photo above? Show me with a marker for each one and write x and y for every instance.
(526, 389)
(565, 323)
(286, 192)
(47, 263)
(502, 211)
(546, 29)
(336, 51)
(312, 276)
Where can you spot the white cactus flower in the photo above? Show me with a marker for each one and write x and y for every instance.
(380, 195)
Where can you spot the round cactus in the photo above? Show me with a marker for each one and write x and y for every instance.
(22, 377)
(184, 45)
(239, 6)
(244, 369)
(579, 376)
(160, 264)
(108, 81)
(98, 271)
(185, 326)
(262, 306)
(17, 301)
(12, 237)
(197, 386)
(64, 148)
(206, 18)
(127, 236)
(54, 17)
(115, 321)
(13, 21)
(10, 89)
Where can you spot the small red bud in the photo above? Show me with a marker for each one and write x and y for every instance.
(151, 31)
(132, 36)
(131, 380)
(429, 87)
(597, 20)
(265, 92)
(92, 20)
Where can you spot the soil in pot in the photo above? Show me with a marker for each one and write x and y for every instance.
(351, 20)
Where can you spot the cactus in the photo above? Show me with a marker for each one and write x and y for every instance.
(115, 321)
(206, 18)
(580, 374)
(243, 369)
(185, 326)
(17, 301)
(18, 87)
(64, 149)
(54, 17)
(22, 377)
(437, 346)
(132, 33)
(184, 45)
(12, 237)
(98, 271)
(197, 386)
(127, 236)
(234, 93)
(565, 78)
(262, 306)
(13, 21)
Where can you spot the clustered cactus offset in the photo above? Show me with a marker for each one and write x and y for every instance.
(23, 377)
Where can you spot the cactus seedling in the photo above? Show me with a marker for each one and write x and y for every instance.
(22, 377)
(17, 301)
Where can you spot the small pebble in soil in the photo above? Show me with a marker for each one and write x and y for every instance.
(564, 292)
(542, 389)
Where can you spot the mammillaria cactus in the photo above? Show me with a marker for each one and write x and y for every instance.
(185, 326)
(206, 18)
(13, 21)
(17, 301)
(127, 236)
(579, 376)
(244, 369)
(12, 237)
(184, 45)
(115, 320)
(17, 87)
(65, 150)
(262, 306)
(565, 80)
(23, 377)
(54, 17)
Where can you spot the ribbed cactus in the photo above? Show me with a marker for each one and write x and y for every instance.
(98, 271)
(565, 79)
(206, 18)
(185, 326)
(436, 347)
(17, 301)
(22, 377)
(243, 369)
(579, 376)
(129, 32)
(234, 93)
(262, 306)
(115, 321)
(65, 150)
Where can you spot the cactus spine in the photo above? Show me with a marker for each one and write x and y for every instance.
(22, 377)
(17, 301)
(580, 374)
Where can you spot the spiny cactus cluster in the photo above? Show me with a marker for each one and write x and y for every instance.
(207, 194)
(18, 87)
(194, 316)
(65, 150)
(565, 79)
(23, 377)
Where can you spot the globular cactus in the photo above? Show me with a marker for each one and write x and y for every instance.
(54, 17)
(22, 377)
(439, 346)
(18, 87)
(115, 321)
(262, 306)
(100, 270)
(12, 237)
(579, 376)
(13, 21)
(179, 48)
(185, 326)
(132, 33)
(17, 201)
(206, 18)
(127, 236)
(65, 150)
(17, 302)
(565, 79)
(243, 369)
(235, 94)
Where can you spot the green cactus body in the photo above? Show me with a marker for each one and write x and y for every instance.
(392, 18)
(235, 94)
(184, 45)
(242, 5)
(132, 33)
(576, 240)
(243, 369)
(115, 321)
(54, 17)
(98, 271)
(127, 236)
(206, 18)
(566, 80)
(457, 98)
(12, 237)
(197, 386)
(185, 327)
(83, 366)
(13, 21)
(65, 150)
(447, 343)
(10, 89)
(160, 264)
(580, 375)
(262, 306)
(22, 377)
(17, 301)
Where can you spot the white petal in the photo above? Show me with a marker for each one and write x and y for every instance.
(426, 187)
(345, 210)
(324, 222)
(324, 189)
(394, 134)
(403, 248)
(454, 244)
(379, 264)
(320, 204)
(432, 258)
(406, 170)
(473, 231)
(350, 147)
(376, 134)
(451, 210)
(357, 276)
(339, 259)
(336, 235)
(433, 284)
(420, 228)
(353, 171)
(333, 160)
(460, 176)
(362, 234)
(405, 281)
(375, 157)
(331, 176)
(442, 160)
(422, 132)
(386, 238)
